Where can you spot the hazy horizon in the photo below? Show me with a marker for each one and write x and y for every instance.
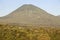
(51, 6)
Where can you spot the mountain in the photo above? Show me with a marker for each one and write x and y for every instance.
(29, 14)
(58, 16)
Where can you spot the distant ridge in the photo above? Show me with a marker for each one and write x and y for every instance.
(29, 14)
(58, 16)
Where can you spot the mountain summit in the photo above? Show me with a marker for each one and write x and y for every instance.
(29, 14)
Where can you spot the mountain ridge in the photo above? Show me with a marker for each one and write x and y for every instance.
(30, 15)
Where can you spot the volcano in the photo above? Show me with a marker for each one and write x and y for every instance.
(29, 14)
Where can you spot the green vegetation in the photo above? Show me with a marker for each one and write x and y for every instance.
(10, 32)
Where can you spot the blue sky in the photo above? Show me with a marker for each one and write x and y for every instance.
(51, 6)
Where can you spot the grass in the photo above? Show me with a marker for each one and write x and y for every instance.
(11, 32)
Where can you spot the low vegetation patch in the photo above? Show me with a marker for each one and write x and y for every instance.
(10, 32)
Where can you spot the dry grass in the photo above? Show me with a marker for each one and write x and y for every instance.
(9, 32)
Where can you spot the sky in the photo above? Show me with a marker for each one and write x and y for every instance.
(51, 6)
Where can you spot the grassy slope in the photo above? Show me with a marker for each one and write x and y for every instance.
(8, 32)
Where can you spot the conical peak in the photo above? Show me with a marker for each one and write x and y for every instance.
(30, 15)
(28, 7)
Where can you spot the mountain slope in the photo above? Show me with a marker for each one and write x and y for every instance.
(58, 16)
(30, 15)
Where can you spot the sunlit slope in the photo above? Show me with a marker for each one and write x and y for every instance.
(12, 32)
(30, 15)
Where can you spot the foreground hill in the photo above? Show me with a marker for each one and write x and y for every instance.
(12, 32)
(30, 15)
